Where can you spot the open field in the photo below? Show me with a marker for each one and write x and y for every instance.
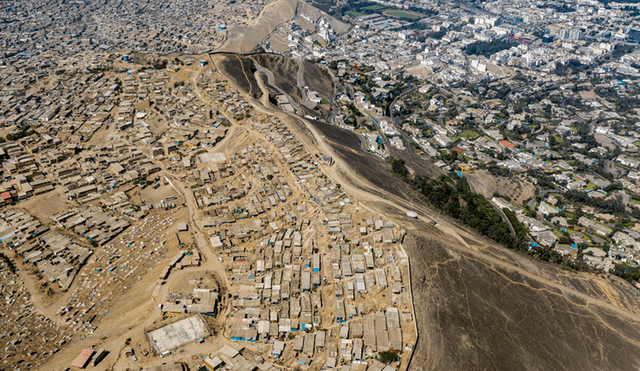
(469, 135)
(355, 14)
(404, 14)
(373, 7)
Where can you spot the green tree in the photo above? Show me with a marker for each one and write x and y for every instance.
(388, 356)
(398, 167)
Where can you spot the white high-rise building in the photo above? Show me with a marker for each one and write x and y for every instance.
(575, 34)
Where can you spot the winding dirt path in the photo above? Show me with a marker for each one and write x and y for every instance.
(361, 189)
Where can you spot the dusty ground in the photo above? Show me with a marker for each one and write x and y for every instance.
(605, 141)
(243, 39)
(241, 70)
(420, 70)
(480, 313)
(6, 130)
(512, 188)
(482, 306)
(45, 205)
(588, 94)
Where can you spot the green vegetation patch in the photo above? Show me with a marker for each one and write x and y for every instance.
(453, 196)
(373, 7)
(398, 167)
(8, 262)
(388, 356)
(487, 48)
(355, 14)
(627, 272)
(469, 135)
(401, 14)
(20, 134)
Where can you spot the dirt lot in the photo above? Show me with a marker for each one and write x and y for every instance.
(512, 188)
(243, 39)
(45, 205)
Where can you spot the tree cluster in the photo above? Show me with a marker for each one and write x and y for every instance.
(437, 35)
(20, 134)
(626, 272)
(521, 230)
(572, 66)
(560, 9)
(487, 48)
(8, 262)
(388, 356)
(614, 206)
(621, 49)
(455, 198)
(398, 167)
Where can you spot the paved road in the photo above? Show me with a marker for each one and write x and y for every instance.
(334, 109)
(407, 140)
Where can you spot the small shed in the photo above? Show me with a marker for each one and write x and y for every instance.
(83, 359)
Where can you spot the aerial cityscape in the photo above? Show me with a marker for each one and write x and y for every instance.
(319, 185)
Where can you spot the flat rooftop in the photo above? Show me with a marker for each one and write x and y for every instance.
(178, 334)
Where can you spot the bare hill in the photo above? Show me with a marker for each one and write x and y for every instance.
(315, 13)
(243, 39)
(481, 313)
(482, 307)
(285, 72)
(287, 76)
(241, 70)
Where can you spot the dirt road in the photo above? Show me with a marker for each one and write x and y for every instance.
(493, 260)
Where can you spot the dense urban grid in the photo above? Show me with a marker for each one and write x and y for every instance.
(172, 197)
